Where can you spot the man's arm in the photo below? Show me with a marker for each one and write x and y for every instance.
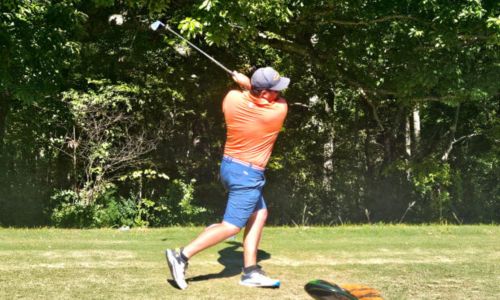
(242, 80)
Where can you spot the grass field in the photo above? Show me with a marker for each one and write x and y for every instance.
(404, 262)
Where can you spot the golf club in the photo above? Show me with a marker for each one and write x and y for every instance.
(324, 290)
(158, 24)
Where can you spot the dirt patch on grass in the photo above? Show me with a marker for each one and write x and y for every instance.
(70, 259)
(118, 255)
(366, 261)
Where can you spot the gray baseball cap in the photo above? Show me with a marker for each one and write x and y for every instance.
(268, 79)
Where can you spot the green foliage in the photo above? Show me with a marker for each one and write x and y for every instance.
(108, 134)
(182, 193)
(174, 207)
(39, 44)
(390, 103)
(432, 180)
(69, 211)
(116, 213)
(109, 210)
(74, 216)
(147, 211)
(429, 174)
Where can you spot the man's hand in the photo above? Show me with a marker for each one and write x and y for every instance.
(242, 80)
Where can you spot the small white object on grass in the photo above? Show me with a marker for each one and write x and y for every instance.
(117, 19)
(124, 228)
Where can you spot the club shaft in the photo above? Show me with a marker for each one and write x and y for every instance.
(201, 51)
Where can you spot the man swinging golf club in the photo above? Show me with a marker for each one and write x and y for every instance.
(254, 118)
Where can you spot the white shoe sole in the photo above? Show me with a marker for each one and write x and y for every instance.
(181, 283)
(275, 285)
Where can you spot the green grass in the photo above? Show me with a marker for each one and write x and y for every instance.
(403, 262)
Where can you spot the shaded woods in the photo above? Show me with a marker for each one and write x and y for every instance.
(393, 110)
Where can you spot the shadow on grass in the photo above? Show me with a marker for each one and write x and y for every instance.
(231, 258)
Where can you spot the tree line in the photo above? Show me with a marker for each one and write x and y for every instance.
(393, 110)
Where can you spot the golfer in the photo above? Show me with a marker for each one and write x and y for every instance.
(254, 118)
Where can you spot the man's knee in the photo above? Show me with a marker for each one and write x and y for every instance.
(230, 228)
(262, 213)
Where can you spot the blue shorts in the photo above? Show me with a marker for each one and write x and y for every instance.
(244, 185)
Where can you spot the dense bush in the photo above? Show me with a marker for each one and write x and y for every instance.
(110, 209)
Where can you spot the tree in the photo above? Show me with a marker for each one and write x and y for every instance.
(391, 104)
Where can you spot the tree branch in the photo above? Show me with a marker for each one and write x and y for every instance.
(374, 110)
(299, 104)
(369, 22)
(307, 52)
(453, 130)
(284, 45)
(455, 141)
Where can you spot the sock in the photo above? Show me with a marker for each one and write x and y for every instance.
(250, 269)
(184, 258)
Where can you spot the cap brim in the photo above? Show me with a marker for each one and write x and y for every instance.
(281, 85)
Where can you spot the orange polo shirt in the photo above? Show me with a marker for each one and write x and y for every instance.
(252, 125)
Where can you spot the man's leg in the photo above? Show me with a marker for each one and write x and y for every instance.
(252, 236)
(252, 273)
(211, 236)
(178, 260)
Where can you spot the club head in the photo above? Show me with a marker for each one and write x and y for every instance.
(323, 290)
(156, 25)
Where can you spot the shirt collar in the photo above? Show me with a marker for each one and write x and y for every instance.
(257, 100)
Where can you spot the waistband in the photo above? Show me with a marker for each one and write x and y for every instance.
(244, 163)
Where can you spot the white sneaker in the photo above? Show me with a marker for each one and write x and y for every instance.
(258, 278)
(177, 267)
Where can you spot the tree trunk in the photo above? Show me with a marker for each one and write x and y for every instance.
(328, 150)
(453, 131)
(416, 127)
(408, 137)
(328, 160)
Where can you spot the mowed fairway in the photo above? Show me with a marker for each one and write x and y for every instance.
(404, 262)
